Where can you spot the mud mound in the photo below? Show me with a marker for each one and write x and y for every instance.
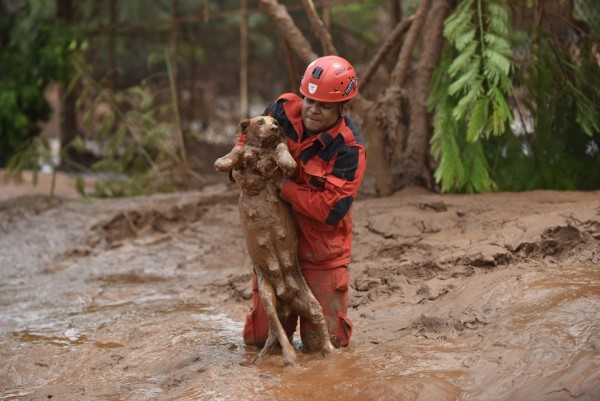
(415, 252)
(134, 223)
(156, 219)
(554, 241)
(386, 278)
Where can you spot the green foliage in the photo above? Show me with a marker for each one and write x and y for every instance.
(31, 156)
(34, 51)
(469, 91)
(562, 151)
(139, 144)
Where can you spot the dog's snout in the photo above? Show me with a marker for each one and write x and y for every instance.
(274, 127)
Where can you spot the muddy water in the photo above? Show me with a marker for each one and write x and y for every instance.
(159, 315)
(538, 337)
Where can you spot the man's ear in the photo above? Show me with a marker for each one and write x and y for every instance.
(241, 129)
(345, 109)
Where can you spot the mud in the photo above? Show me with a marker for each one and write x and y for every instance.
(485, 297)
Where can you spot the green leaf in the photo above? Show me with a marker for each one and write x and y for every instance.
(465, 39)
(466, 102)
(469, 75)
(463, 60)
(455, 24)
(478, 119)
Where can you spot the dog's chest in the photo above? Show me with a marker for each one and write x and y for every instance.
(259, 160)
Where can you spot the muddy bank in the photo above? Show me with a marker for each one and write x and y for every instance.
(486, 297)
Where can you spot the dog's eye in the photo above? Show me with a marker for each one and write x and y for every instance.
(260, 122)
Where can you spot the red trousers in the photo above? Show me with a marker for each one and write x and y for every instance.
(330, 287)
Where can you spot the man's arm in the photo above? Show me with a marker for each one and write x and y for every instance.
(333, 201)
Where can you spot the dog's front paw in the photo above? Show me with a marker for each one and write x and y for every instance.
(285, 161)
(230, 161)
(223, 164)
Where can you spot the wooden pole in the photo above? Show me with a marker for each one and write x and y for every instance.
(244, 59)
(112, 12)
(174, 78)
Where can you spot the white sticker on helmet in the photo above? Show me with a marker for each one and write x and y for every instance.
(312, 88)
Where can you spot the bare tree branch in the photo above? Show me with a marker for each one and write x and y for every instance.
(289, 30)
(396, 127)
(401, 68)
(320, 31)
(390, 42)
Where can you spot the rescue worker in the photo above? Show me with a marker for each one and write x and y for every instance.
(331, 159)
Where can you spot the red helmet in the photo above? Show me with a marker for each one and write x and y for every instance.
(329, 79)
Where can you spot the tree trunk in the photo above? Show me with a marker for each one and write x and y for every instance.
(65, 12)
(112, 14)
(384, 119)
(415, 157)
(174, 46)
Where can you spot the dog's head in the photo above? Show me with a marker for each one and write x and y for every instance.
(262, 131)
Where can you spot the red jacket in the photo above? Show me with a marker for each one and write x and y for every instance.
(331, 166)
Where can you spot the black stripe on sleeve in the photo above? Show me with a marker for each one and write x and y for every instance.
(346, 163)
(339, 210)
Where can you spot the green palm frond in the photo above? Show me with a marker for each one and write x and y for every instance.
(469, 93)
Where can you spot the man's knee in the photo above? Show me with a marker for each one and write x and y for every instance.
(340, 331)
(330, 287)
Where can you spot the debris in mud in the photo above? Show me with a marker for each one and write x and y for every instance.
(554, 241)
(366, 282)
(160, 217)
(435, 206)
(487, 256)
(134, 223)
(559, 239)
(430, 293)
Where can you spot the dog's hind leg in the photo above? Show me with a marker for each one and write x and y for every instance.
(269, 300)
(308, 307)
(269, 345)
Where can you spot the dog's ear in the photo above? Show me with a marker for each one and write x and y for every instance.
(242, 127)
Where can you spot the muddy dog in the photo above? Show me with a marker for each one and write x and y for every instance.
(269, 231)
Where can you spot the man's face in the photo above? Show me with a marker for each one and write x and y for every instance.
(320, 116)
